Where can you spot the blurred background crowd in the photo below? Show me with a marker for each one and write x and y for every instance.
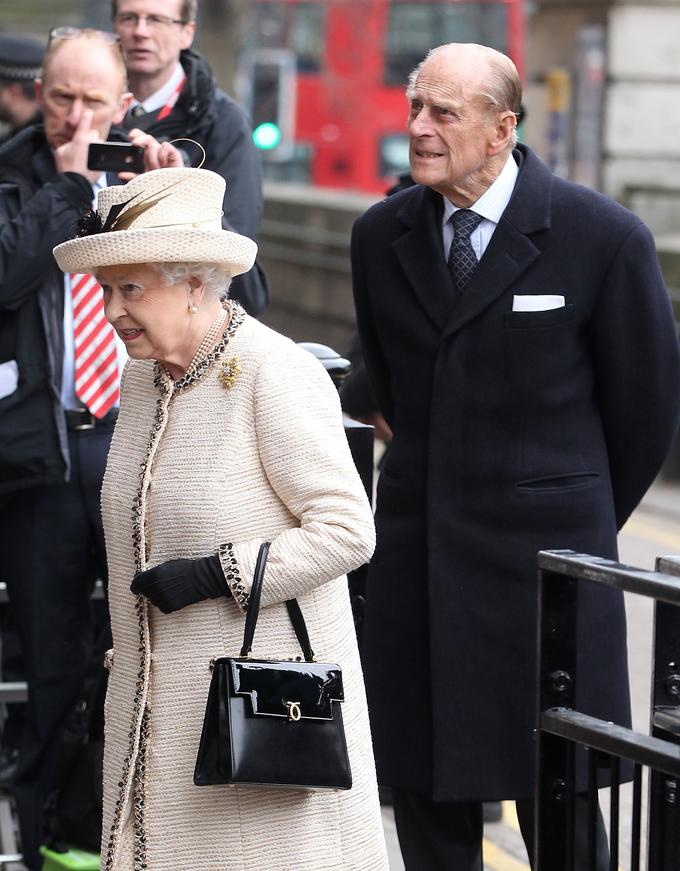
(326, 97)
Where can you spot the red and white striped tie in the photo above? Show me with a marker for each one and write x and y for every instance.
(96, 362)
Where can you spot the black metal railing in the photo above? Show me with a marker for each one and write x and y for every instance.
(360, 437)
(17, 691)
(561, 729)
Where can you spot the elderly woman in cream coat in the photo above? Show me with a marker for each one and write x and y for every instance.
(228, 435)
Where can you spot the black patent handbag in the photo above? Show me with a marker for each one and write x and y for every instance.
(274, 723)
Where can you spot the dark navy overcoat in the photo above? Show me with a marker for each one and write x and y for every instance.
(514, 432)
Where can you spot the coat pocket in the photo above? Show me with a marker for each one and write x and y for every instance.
(558, 483)
(539, 320)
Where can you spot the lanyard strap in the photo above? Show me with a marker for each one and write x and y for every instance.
(167, 109)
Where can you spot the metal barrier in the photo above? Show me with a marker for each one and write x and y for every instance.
(360, 437)
(17, 691)
(9, 692)
(561, 728)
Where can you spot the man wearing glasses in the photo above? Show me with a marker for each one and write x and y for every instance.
(174, 97)
(53, 438)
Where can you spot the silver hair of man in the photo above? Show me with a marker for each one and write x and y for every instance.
(215, 278)
(503, 85)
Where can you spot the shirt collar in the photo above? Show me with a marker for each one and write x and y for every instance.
(162, 95)
(495, 198)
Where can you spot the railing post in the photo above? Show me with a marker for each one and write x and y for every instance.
(360, 437)
(554, 794)
(557, 718)
(664, 790)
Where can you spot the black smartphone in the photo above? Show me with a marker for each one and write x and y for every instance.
(115, 157)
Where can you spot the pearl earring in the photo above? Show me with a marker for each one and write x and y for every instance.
(192, 308)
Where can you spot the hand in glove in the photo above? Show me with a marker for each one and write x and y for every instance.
(180, 582)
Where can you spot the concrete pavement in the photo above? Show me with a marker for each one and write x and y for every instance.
(663, 498)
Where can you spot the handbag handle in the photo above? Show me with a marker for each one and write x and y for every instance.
(294, 612)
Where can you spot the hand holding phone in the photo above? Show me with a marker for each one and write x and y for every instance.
(157, 155)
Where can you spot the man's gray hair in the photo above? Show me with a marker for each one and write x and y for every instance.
(215, 278)
(503, 87)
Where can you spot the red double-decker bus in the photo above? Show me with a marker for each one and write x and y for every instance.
(328, 78)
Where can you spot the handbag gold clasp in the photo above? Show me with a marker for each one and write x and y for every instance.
(294, 712)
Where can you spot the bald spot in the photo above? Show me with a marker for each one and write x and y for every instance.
(82, 58)
(471, 71)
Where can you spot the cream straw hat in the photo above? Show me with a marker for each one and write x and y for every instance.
(171, 215)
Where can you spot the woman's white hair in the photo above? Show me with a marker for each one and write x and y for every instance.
(215, 278)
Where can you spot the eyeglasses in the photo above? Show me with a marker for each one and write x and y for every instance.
(72, 32)
(130, 20)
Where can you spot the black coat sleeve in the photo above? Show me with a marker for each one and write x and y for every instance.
(30, 230)
(231, 153)
(637, 369)
(356, 393)
(376, 365)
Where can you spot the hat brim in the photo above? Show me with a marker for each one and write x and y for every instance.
(232, 251)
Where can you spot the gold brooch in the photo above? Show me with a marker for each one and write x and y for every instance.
(230, 371)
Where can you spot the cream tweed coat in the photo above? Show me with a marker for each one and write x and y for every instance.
(258, 454)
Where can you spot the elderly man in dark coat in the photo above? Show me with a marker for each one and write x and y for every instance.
(522, 347)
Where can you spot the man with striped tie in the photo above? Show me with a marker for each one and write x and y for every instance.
(59, 381)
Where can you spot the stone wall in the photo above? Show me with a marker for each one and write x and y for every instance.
(669, 258)
(552, 40)
(304, 248)
(631, 139)
(641, 153)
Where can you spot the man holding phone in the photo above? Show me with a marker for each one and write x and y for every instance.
(54, 431)
(175, 96)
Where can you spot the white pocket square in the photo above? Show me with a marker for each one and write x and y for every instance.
(537, 302)
(9, 378)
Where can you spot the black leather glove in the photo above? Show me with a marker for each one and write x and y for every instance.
(181, 582)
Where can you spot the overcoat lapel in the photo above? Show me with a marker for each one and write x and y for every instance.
(509, 254)
(420, 251)
(511, 250)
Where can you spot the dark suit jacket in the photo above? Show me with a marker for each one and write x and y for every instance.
(38, 210)
(513, 432)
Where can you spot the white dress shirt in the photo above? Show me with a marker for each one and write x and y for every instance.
(490, 206)
(158, 99)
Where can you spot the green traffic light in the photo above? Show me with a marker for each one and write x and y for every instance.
(266, 136)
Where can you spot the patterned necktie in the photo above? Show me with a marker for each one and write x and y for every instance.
(95, 358)
(462, 259)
